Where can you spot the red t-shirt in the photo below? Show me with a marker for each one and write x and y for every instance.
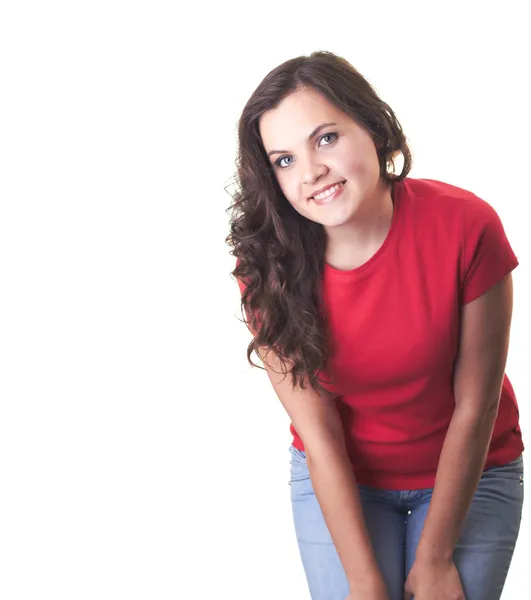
(395, 328)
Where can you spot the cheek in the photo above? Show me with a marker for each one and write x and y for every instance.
(290, 190)
(362, 168)
(359, 158)
(292, 195)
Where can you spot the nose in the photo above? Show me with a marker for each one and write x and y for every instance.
(313, 171)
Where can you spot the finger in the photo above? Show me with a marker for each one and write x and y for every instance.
(408, 595)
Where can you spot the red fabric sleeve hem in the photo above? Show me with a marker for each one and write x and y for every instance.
(473, 293)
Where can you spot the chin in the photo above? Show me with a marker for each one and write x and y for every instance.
(333, 219)
(327, 222)
(330, 223)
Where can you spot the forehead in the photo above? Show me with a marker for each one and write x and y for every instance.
(296, 117)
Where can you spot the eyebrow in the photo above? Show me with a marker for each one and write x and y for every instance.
(312, 135)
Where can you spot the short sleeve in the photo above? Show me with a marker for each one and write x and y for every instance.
(487, 253)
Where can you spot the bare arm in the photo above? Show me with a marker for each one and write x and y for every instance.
(317, 421)
(477, 382)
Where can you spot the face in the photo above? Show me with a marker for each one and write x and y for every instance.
(314, 147)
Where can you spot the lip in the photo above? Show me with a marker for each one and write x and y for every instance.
(323, 189)
(329, 199)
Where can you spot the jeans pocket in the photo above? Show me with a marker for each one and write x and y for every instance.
(298, 466)
(297, 454)
(513, 470)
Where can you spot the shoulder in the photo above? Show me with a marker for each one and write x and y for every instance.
(442, 202)
(432, 192)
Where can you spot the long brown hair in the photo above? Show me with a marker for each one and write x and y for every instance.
(281, 254)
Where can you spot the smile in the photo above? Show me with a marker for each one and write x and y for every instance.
(330, 194)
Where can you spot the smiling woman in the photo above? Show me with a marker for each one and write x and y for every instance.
(388, 302)
(338, 154)
(329, 134)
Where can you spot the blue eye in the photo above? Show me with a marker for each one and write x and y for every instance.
(277, 162)
(332, 135)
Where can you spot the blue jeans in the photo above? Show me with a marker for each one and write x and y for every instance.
(395, 519)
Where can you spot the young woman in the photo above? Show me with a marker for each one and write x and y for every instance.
(381, 308)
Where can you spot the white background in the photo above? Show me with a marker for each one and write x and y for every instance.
(140, 456)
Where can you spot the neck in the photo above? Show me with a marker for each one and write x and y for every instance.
(353, 243)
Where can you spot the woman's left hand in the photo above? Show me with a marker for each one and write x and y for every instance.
(433, 580)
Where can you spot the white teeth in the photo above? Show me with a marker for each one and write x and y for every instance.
(328, 192)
